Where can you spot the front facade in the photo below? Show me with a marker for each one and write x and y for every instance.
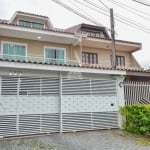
(54, 80)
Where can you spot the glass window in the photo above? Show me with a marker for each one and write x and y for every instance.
(13, 51)
(31, 24)
(54, 55)
(89, 58)
(120, 60)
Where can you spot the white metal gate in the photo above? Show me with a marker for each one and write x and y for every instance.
(136, 92)
(33, 105)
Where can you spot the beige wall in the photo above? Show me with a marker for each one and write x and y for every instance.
(36, 49)
(104, 56)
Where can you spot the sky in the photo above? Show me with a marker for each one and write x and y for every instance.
(62, 18)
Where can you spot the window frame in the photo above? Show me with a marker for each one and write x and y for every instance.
(14, 43)
(89, 57)
(19, 19)
(94, 34)
(120, 63)
(55, 48)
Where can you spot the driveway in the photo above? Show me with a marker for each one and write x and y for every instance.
(89, 140)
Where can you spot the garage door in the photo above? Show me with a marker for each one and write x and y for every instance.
(34, 105)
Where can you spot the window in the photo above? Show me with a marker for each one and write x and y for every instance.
(120, 60)
(54, 55)
(94, 34)
(31, 24)
(13, 51)
(89, 58)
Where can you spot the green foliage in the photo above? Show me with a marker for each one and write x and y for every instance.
(137, 118)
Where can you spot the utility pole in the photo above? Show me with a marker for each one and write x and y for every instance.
(113, 38)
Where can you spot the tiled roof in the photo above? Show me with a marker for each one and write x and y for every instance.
(65, 32)
(147, 70)
(55, 30)
(132, 69)
(31, 14)
(3, 21)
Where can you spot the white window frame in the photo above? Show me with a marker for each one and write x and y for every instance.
(59, 48)
(20, 44)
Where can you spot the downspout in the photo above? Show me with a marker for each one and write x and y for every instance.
(80, 44)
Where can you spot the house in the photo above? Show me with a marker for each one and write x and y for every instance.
(54, 80)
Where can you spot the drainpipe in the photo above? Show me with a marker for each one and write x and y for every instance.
(60, 101)
(80, 42)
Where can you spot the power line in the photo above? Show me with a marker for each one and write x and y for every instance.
(122, 18)
(142, 2)
(73, 3)
(118, 19)
(104, 4)
(76, 12)
(135, 12)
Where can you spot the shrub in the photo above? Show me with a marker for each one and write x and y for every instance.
(137, 118)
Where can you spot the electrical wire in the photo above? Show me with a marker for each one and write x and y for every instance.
(128, 9)
(118, 19)
(89, 16)
(142, 2)
(122, 18)
(104, 4)
(76, 12)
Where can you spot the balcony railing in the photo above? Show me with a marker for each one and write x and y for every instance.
(39, 60)
(42, 60)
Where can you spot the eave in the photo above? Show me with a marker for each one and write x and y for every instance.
(9, 30)
(124, 46)
(61, 68)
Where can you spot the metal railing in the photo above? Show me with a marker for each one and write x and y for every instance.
(136, 92)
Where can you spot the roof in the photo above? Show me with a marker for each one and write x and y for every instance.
(4, 21)
(53, 30)
(31, 15)
(66, 31)
(95, 66)
(26, 13)
(77, 28)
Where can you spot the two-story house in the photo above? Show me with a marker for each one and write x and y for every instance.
(54, 80)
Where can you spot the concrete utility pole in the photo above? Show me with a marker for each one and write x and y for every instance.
(113, 38)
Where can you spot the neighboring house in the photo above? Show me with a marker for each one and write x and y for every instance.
(54, 80)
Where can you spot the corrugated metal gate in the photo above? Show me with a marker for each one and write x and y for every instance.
(32, 105)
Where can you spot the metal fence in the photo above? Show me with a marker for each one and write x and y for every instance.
(136, 92)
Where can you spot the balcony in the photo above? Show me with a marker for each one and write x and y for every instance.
(38, 60)
(49, 61)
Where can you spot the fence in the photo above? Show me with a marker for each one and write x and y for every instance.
(136, 92)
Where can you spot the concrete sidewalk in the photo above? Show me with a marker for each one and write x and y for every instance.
(89, 140)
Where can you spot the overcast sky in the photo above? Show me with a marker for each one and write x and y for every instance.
(62, 18)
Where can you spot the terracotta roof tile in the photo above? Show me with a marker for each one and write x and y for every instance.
(3, 21)
(58, 31)
(86, 66)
